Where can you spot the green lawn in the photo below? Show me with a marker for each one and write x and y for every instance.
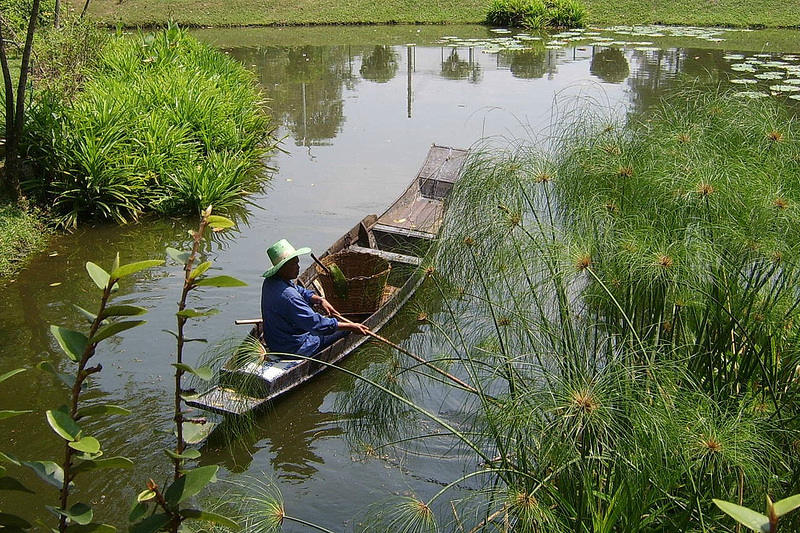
(752, 13)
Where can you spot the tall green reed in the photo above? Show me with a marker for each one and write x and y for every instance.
(628, 302)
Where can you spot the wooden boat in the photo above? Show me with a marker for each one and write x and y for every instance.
(400, 235)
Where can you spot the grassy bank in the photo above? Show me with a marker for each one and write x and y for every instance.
(21, 234)
(753, 13)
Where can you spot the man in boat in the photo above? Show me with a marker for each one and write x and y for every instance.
(291, 325)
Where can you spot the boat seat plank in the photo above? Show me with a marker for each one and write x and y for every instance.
(389, 256)
(404, 232)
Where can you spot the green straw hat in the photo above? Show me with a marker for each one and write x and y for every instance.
(279, 253)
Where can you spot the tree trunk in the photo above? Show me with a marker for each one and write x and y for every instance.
(15, 106)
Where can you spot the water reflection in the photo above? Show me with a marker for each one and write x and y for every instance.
(455, 68)
(610, 65)
(379, 65)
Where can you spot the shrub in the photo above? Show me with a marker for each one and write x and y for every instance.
(64, 55)
(16, 15)
(162, 123)
(536, 13)
(512, 13)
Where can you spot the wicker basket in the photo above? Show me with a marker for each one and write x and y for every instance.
(366, 276)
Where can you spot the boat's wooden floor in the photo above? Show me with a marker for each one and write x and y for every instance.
(414, 212)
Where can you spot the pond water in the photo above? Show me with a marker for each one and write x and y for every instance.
(358, 108)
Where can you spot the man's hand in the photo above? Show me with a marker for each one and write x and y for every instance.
(325, 304)
(354, 327)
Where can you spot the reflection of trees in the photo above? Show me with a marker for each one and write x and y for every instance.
(610, 65)
(455, 68)
(304, 87)
(528, 64)
(660, 70)
(380, 65)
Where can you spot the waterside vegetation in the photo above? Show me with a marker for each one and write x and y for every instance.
(624, 303)
(161, 124)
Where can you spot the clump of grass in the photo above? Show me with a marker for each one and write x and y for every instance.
(21, 234)
(163, 123)
(533, 14)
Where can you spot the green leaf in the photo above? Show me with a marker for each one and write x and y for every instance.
(9, 414)
(12, 522)
(177, 255)
(66, 379)
(205, 373)
(189, 454)
(103, 409)
(49, 471)
(200, 270)
(340, 284)
(220, 281)
(194, 433)
(151, 524)
(787, 504)
(132, 268)
(191, 313)
(218, 222)
(746, 517)
(88, 314)
(98, 275)
(114, 328)
(8, 458)
(11, 373)
(115, 263)
(91, 528)
(10, 483)
(101, 464)
(196, 514)
(73, 343)
(146, 495)
(138, 510)
(88, 445)
(189, 484)
(170, 332)
(80, 513)
(63, 424)
(123, 310)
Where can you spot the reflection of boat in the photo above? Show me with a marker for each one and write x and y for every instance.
(251, 378)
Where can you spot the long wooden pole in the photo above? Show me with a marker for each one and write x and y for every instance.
(397, 347)
(414, 356)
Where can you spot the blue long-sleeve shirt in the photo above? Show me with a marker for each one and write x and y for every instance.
(290, 324)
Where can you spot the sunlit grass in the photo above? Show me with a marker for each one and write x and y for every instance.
(21, 234)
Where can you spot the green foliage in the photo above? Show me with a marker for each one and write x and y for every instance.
(22, 232)
(625, 306)
(757, 521)
(82, 451)
(162, 123)
(166, 512)
(65, 55)
(17, 12)
(537, 14)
